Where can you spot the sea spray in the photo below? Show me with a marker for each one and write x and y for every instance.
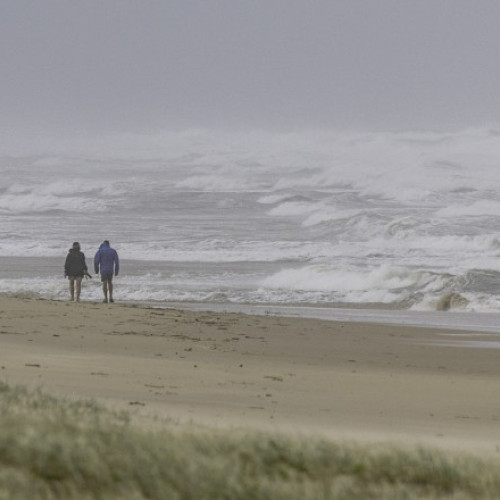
(315, 217)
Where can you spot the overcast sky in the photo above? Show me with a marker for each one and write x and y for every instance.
(146, 65)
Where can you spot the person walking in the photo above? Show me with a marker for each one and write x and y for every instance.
(75, 268)
(107, 263)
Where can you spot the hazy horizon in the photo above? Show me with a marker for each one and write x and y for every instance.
(282, 65)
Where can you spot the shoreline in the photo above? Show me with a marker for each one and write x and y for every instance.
(458, 319)
(349, 380)
(240, 284)
(461, 320)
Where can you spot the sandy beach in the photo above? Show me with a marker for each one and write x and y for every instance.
(342, 380)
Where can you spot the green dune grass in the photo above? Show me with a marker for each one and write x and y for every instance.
(58, 449)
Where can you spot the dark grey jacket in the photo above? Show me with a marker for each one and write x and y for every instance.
(75, 264)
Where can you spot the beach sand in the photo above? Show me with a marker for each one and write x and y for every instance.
(348, 381)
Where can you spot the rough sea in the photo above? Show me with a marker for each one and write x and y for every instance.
(316, 219)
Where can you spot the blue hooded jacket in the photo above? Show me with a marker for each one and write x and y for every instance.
(106, 259)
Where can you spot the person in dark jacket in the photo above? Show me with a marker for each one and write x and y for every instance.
(107, 263)
(75, 268)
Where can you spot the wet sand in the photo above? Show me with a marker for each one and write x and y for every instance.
(358, 381)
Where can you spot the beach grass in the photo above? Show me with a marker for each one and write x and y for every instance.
(53, 448)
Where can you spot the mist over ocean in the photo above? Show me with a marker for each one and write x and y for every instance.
(318, 218)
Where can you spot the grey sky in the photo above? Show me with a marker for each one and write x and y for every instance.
(144, 65)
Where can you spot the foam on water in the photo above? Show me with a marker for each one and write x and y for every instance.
(316, 217)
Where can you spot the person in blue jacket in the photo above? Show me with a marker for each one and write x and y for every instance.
(106, 262)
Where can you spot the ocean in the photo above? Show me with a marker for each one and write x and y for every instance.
(313, 219)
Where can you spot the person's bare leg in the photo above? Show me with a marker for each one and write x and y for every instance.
(72, 288)
(78, 288)
(110, 288)
(105, 290)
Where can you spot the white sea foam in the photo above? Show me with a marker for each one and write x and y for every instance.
(383, 284)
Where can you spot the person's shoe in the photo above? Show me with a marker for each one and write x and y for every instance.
(111, 300)
(105, 301)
